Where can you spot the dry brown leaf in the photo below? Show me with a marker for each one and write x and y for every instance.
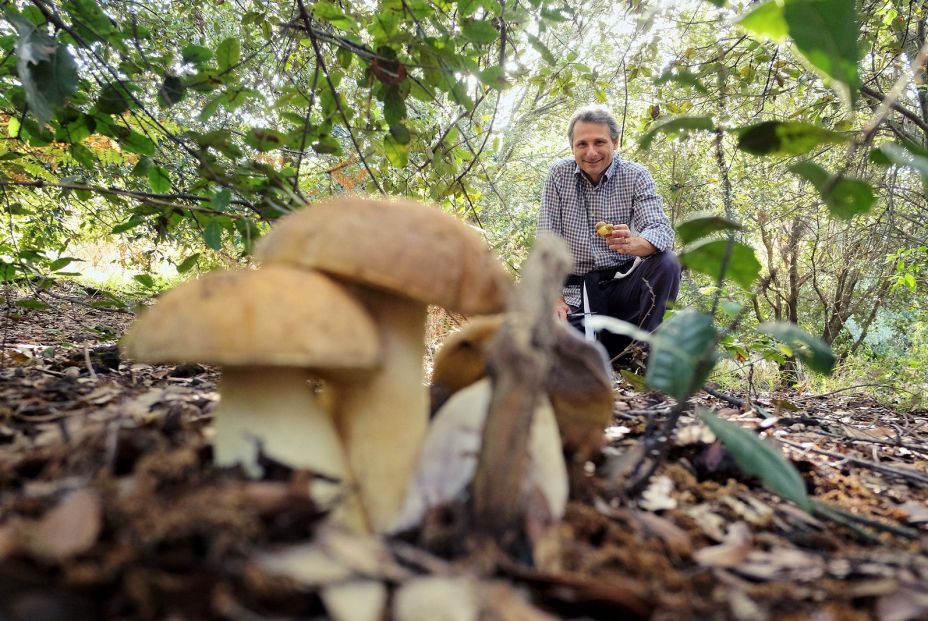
(903, 605)
(711, 523)
(306, 564)
(916, 512)
(503, 603)
(734, 549)
(675, 538)
(437, 599)
(70, 528)
(358, 600)
(782, 564)
(658, 496)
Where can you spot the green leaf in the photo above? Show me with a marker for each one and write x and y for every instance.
(82, 155)
(394, 106)
(826, 33)
(397, 153)
(113, 99)
(676, 348)
(131, 223)
(160, 180)
(467, 8)
(31, 303)
(221, 199)
(479, 32)
(676, 126)
(766, 21)
(707, 257)
(89, 20)
(811, 350)
(758, 458)
(196, 54)
(494, 77)
(264, 139)
(907, 156)
(637, 381)
(46, 68)
(145, 280)
(846, 197)
(212, 235)
(789, 138)
(142, 167)
(228, 53)
(333, 14)
(327, 144)
(542, 49)
(400, 133)
(137, 143)
(701, 224)
(60, 263)
(210, 109)
(686, 78)
(188, 264)
(172, 90)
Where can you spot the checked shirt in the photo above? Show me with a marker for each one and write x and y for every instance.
(571, 206)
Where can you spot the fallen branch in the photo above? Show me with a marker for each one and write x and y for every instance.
(872, 465)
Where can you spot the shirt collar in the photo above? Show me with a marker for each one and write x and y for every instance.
(607, 174)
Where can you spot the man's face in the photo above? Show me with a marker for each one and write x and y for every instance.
(593, 148)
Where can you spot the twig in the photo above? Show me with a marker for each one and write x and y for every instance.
(735, 401)
(846, 517)
(872, 465)
(87, 361)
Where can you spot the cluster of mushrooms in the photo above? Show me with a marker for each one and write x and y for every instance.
(341, 296)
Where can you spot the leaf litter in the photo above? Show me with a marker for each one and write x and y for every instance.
(110, 509)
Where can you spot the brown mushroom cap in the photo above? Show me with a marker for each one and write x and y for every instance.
(403, 246)
(276, 316)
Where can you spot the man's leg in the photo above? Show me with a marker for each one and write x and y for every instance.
(641, 297)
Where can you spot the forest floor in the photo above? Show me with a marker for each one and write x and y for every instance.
(110, 509)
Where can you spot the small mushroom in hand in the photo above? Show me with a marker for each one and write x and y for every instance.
(604, 229)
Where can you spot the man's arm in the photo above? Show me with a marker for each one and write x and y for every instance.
(649, 218)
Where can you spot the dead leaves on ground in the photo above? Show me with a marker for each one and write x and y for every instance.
(109, 509)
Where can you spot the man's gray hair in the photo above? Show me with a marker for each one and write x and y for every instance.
(593, 114)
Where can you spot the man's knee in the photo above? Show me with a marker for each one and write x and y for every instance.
(665, 262)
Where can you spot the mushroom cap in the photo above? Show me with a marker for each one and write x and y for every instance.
(276, 316)
(402, 246)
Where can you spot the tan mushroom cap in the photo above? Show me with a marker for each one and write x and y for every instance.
(403, 246)
(276, 316)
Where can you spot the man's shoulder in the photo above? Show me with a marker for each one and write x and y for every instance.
(563, 168)
(632, 168)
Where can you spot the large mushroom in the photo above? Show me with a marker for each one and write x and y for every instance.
(402, 256)
(270, 330)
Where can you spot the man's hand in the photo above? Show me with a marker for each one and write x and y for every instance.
(623, 241)
(562, 309)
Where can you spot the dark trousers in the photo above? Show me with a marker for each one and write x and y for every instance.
(640, 298)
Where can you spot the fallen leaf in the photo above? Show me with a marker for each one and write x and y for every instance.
(358, 600)
(69, 529)
(675, 538)
(437, 599)
(734, 549)
(658, 495)
(903, 605)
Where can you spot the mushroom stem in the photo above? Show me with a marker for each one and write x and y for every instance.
(383, 419)
(273, 409)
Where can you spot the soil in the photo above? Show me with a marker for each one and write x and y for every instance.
(110, 508)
